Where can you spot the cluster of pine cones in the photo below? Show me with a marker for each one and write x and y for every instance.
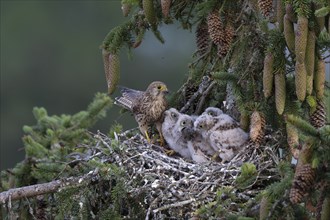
(220, 32)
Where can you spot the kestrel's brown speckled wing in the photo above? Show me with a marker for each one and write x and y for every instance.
(129, 98)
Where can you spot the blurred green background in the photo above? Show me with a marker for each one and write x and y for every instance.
(50, 57)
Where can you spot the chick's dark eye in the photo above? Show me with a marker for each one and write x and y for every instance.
(173, 115)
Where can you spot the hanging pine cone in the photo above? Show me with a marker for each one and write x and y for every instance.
(215, 28)
(166, 4)
(265, 6)
(300, 80)
(310, 52)
(202, 38)
(264, 208)
(319, 78)
(112, 69)
(302, 182)
(227, 40)
(320, 21)
(289, 11)
(319, 117)
(244, 121)
(257, 127)
(293, 140)
(301, 39)
(325, 213)
(268, 75)
(280, 11)
(149, 11)
(41, 207)
(280, 91)
(126, 8)
(289, 32)
(310, 61)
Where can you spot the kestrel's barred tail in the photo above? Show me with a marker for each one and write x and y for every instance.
(124, 102)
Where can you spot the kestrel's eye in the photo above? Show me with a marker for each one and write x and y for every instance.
(159, 87)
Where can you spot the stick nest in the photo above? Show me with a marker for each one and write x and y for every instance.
(175, 187)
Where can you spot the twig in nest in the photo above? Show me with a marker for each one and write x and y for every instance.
(202, 87)
(203, 97)
(172, 205)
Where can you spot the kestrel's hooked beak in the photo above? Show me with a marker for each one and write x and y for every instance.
(164, 89)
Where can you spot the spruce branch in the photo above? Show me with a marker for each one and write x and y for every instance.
(45, 188)
(302, 125)
(224, 76)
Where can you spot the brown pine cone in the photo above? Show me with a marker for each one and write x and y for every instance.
(302, 182)
(202, 38)
(265, 6)
(257, 127)
(215, 28)
(319, 117)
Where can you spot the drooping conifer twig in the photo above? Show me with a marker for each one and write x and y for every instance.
(202, 87)
(44, 188)
(203, 97)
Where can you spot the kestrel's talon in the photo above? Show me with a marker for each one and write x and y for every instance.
(161, 141)
(170, 152)
(147, 136)
(215, 157)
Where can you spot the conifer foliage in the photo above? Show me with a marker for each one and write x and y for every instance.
(262, 62)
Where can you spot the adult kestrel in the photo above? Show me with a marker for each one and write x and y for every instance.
(173, 126)
(147, 106)
(223, 133)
